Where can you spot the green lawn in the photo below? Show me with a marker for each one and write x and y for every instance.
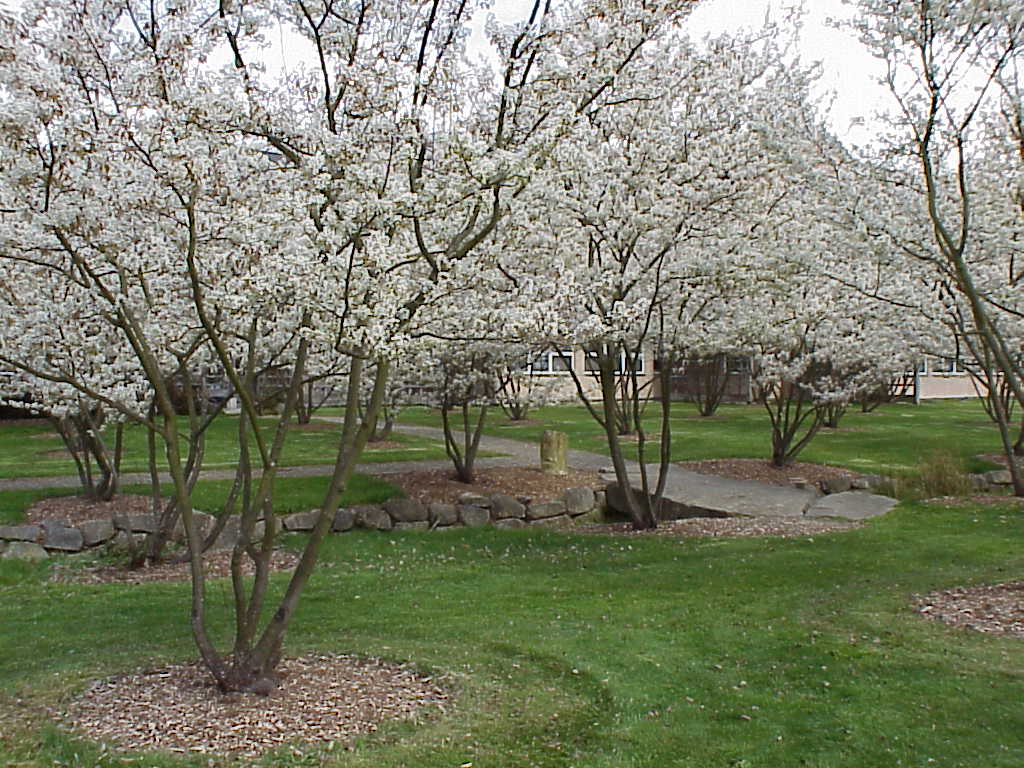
(595, 652)
(890, 440)
(33, 449)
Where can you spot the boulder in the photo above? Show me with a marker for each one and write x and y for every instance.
(20, 532)
(473, 516)
(135, 523)
(125, 543)
(417, 525)
(867, 482)
(545, 509)
(95, 532)
(24, 550)
(851, 505)
(406, 510)
(504, 507)
(61, 537)
(999, 477)
(229, 536)
(507, 523)
(203, 522)
(837, 484)
(443, 514)
(978, 482)
(474, 499)
(579, 501)
(344, 520)
(300, 521)
(374, 518)
(560, 522)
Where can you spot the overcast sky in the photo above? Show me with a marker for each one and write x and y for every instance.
(849, 71)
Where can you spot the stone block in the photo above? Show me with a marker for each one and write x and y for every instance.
(579, 501)
(554, 452)
(473, 516)
(374, 518)
(300, 521)
(474, 499)
(600, 500)
(999, 477)
(508, 523)
(203, 522)
(406, 510)
(344, 520)
(837, 484)
(95, 532)
(560, 522)
(229, 536)
(978, 482)
(135, 523)
(416, 525)
(61, 537)
(20, 532)
(504, 507)
(443, 514)
(545, 509)
(24, 550)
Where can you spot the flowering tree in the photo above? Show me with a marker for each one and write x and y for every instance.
(223, 215)
(953, 68)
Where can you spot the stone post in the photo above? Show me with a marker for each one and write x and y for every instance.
(554, 450)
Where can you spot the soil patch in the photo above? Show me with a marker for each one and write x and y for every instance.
(323, 701)
(734, 527)
(999, 458)
(385, 445)
(763, 471)
(217, 565)
(521, 482)
(996, 609)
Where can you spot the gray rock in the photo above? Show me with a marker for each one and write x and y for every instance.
(978, 482)
(406, 510)
(344, 520)
(579, 501)
(554, 451)
(125, 543)
(95, 532)
(504, 507)
(20, 532)
(374, 518)
(473, 516)
(999, 477)
(135, 523)
(560, 522)
(474, 500)
(443, 514)
(545, 509)
(860, 484)
(600, 500)
(851, 505)
(300, 521)
(417, 525)
(507, 523)
(61, 537)
(873, 481)
(229, 536)
(837, 484)
(24, 550)
(203, 522)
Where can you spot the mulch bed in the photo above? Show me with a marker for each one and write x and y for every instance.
(322, 701)
(996, 609)
(520, 482)
(762, 471)
(730, 527)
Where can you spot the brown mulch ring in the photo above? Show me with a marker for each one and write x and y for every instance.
(520, 482)
(997, 609)
(762, 471)
(731, 527)
(324, 701)
(77, 509)
(998, 458)
(217, 565)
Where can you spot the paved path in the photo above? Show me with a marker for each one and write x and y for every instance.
(687, 494)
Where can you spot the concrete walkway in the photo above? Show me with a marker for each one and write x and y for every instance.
(687, 494)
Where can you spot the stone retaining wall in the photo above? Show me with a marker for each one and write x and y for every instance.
(36, 542)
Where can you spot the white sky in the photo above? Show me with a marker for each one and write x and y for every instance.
(849, 72)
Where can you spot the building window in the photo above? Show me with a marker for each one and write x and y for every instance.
(621, 367)
(552, 361)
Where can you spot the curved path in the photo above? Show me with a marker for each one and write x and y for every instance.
(687, 493)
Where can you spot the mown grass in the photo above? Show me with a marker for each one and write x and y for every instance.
(572, 650)
(33, 449)
(892, 440)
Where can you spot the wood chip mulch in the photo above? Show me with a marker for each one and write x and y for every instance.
(762, 471)
(996, 609)
(323, 701)
(78, 509)
(520, 482)
(217, 566)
